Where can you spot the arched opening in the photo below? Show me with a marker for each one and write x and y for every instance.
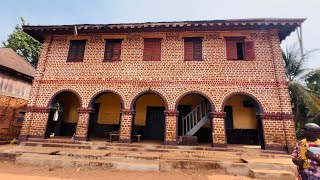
(243, 123)
(149, 119)
(106, 115)
(194, 121)
(63, 119)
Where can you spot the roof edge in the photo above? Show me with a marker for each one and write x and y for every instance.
(253, 20)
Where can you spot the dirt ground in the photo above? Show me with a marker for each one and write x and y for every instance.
(9, 170)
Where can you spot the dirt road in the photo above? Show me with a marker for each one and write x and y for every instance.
(11, 171)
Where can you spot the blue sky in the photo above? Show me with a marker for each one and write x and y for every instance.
(41, 12)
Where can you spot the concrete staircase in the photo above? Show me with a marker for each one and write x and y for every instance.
(63, 161)
(272, 168)
(146, 157)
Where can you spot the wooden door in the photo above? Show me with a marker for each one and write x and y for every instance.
(155, 123)
(93, 120)
(229, 123)
(260, 132)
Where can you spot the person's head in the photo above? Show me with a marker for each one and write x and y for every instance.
(310, 131)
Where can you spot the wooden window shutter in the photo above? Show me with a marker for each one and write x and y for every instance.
(192, 49)
(188, 50)
(81, 49)
(152, 50)
(157, 50)
(116, 51)
(112, 50)
(76, 50)
(197, 50)
(147, 50)
(108, 50)
(249, 50)
(231, 48)
(72, 52)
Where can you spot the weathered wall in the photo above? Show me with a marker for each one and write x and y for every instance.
(141, 107)
(215, 77)
(110, 106)
(70, 105)
(243, 117)
(11, 85)
(9, 111)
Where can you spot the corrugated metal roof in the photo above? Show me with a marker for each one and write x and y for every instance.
(284, 25)
(11, 60)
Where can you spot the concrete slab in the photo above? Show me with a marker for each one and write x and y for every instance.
(272, 174)
(71, 162)
(143, 155)
(272, 163)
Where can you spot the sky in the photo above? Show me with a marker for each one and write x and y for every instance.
(58, 12)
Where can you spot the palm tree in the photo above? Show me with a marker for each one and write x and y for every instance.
(313, 81)
(303, 86)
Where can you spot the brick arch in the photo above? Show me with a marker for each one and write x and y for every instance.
(56, 94)
(258, 103)
(194, 92)
(102, 92)
(149, 92)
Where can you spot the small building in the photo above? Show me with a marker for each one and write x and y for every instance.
(215, 82)
(16, 76)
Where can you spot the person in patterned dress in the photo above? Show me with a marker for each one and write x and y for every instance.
(308, 163)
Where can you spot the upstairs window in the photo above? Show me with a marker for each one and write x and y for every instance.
(152, 49)
(76, 50)
(112, 50)
(192, 49)
(239, 49)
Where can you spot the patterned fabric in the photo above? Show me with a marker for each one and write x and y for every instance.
(311, 170)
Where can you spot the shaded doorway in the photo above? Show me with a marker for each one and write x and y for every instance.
(149, 118)
(155, 123)
(243, 123)
(194, 119)
(106, 115)
(63, 119)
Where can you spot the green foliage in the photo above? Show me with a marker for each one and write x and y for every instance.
(312, 80)
(294, 62)
(304, 87)
(24, 45)
(306, 104)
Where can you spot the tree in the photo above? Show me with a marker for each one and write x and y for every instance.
(312, 80)
(23, 44)
(294, 62)
(303, 86)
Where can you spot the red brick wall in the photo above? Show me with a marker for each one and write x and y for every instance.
(215, 77)
(9, 111)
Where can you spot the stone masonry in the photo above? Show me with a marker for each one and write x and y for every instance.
(215, 77)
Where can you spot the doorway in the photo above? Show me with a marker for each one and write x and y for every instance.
(155, 121)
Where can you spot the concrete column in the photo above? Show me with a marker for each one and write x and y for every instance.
(219, 130)
(83, 124)
(126, 125)
(171, 124)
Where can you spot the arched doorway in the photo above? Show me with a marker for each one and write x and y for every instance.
(106, 116)
(194, 119)
(63, 119)
(149, 118)
(243, 123)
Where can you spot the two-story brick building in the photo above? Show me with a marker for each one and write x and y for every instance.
(222, 81)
